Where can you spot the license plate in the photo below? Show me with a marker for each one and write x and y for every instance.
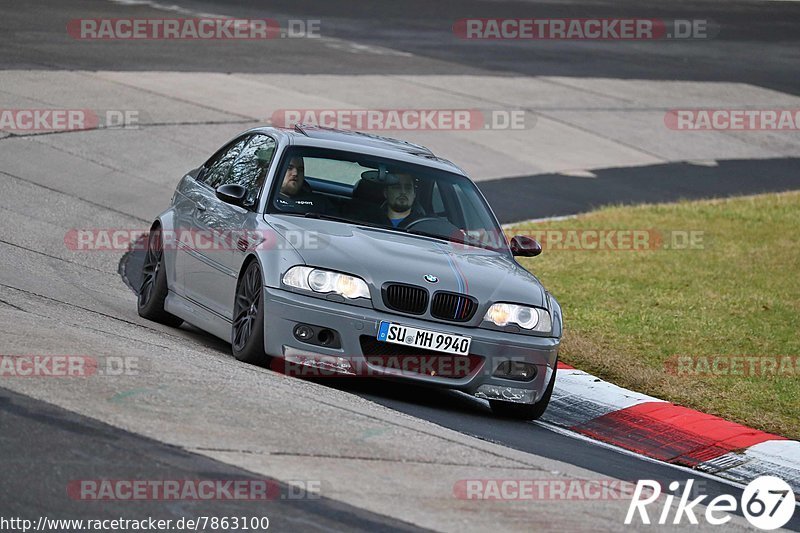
(422, 338)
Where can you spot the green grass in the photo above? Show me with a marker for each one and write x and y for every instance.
(627, 312)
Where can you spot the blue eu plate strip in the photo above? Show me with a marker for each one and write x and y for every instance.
(383, 330)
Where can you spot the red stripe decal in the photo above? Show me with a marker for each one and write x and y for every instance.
(671, 433)
(564, 366)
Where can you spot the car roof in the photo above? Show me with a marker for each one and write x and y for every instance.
(367, 143)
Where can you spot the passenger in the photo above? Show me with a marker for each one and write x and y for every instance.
(296, 195)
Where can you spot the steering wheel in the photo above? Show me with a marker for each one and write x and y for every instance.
(423, 219)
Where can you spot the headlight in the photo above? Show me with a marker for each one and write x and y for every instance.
(530, 318)
(325, 281)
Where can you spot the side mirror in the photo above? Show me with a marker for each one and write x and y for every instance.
(231, 193)
(525, 246)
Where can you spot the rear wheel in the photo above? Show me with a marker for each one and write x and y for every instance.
(247, 331)
(153, 290)
(524, 411)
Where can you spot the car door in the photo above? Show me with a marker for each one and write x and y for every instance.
(192, 263)
(222, 230)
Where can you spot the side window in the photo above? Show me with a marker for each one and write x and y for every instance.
(221, 164)
(250, 168)
(333, 170)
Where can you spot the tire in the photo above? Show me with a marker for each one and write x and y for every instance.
(153, 290)
(247, 329)
(523, 411)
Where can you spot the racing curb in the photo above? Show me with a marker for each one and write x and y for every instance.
(661, 430)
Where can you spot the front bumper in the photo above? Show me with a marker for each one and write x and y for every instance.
(284, 310)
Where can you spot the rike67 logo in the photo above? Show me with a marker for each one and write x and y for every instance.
(768, 503)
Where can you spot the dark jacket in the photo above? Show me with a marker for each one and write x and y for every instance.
(379, 216)
(304, 202)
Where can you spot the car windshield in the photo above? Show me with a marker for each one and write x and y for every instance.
(395, 195)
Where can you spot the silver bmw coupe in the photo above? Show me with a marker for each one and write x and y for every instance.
(340, 253)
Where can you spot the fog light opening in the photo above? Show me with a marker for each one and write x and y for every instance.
(325, 337)
(516, 370)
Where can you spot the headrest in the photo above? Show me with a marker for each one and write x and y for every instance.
(368, 190)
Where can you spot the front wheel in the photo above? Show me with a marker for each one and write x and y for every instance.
(247, 331)
(153, 290)
(524, 411)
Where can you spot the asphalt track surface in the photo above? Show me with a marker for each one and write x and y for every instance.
(757, 44)
(758, 47)
(73, 447)
(558, 195)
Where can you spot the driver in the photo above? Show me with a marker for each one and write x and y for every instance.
(400, 208)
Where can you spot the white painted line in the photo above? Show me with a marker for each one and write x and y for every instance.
(704, 163)
(578, 173)
(167, 7)
(330, 42)
(540, 220)
(358, 48)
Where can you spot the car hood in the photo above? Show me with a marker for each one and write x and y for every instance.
(379, 256)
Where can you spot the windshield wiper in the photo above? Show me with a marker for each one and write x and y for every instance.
(431, 235)
(467, 241)
(315, 215)
(323, 216)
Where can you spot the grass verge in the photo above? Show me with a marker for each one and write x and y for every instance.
(734, 293)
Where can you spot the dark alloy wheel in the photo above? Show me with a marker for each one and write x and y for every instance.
(247, 331)
(153, 290)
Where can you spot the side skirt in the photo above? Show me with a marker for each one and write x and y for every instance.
(199, 316)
